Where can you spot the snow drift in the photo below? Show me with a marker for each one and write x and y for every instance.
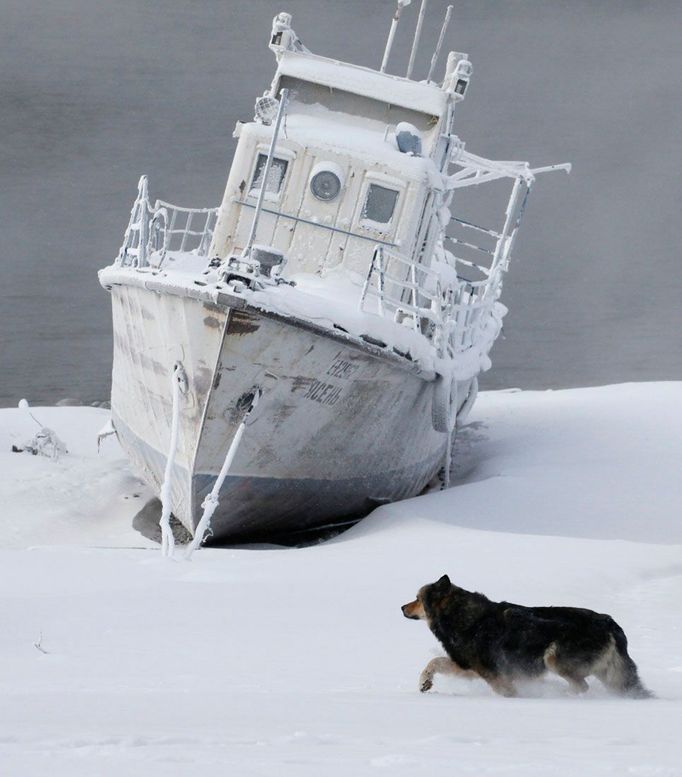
(295, 661)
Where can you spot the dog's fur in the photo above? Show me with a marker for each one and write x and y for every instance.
(503, 642)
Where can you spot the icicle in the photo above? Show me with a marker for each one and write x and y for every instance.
(179, 381)
(210, 503)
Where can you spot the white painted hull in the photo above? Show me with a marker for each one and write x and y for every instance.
(340, 428)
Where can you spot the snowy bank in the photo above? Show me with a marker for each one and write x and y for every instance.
(296, 661)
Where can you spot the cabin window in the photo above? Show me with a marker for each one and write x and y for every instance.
(273, 186)
(379, 204)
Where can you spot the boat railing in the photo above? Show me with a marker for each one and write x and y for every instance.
(450, 313)
(397, 287)
(154, 231)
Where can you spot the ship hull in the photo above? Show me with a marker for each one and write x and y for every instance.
(340, 426)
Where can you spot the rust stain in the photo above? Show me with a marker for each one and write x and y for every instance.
(242, 324)
(212, 322)
(211, 307)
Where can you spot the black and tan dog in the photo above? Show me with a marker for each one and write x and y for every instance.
(502, 642)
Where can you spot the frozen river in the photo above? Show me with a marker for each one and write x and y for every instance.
(95, 93)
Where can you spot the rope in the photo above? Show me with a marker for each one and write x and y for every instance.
(448, 462)
(178, 379)
(451, 426)
(211, 502)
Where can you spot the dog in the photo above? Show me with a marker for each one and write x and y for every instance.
(502, 642)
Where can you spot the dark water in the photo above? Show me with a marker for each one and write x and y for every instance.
(93, 93)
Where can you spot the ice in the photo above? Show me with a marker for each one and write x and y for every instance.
(262, 661)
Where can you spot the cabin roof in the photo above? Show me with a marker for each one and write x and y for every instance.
(384, 87)
(317, 127)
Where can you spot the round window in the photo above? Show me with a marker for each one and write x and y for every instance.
(325, 184)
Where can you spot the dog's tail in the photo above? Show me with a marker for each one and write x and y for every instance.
(618, 671)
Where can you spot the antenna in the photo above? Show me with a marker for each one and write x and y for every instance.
(436, 53)
(391, 32)
(417, 36)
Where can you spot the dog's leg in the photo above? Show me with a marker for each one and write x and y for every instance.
(573, 677)
(441, 665)
(502, 685)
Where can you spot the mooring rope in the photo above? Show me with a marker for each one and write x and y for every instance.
(448, 462)
(451, 426)
(211, 502)
(178, 381)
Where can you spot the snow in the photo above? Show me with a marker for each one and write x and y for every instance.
(387, 88)
(262, 660)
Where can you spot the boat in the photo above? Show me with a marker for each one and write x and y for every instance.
(303, 352)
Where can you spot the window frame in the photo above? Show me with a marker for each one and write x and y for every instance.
(385, 182)
(284, 155)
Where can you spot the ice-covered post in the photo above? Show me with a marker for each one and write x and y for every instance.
(283, 98)
(143, 198)
(212, 501)
(179, 385)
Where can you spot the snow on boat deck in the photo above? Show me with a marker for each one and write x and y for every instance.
(292, 662)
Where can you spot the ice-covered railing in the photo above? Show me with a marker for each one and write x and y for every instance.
(152, 232)
(403, 290)
(447, 310)
(450, 293)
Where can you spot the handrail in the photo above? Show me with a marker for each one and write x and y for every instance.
(152, 232)
(289, 216)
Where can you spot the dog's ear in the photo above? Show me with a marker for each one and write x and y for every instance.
(444, 582)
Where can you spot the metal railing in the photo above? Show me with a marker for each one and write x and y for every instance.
(449, 314)
(152, 232)
(401, 289)
(444, 302)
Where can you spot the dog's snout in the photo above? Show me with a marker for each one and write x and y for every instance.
(413, 610)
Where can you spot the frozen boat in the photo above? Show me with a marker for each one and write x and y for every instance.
(302, 353)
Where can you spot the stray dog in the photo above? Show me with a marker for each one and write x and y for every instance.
(502, 642)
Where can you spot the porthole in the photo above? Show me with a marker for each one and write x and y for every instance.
(326, 181)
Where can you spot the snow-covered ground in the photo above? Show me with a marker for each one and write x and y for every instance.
(257, 661)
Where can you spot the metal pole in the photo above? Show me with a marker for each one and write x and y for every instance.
(391, 33)
(283, 99)
(417, 36)
(436, 53)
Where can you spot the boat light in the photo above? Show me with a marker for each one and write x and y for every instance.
(326, 181)
(266, 109)
(408, 139)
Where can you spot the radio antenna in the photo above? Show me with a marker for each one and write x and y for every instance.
(417, 36)
(391, 32)
(436, 53)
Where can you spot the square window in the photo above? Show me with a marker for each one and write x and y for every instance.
(278, 169)
(380, 204)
